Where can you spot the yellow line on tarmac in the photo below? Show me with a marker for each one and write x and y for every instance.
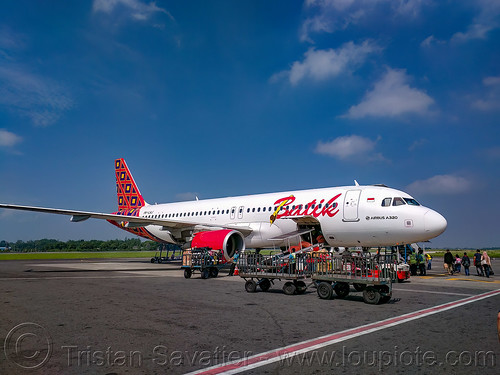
(477, 281)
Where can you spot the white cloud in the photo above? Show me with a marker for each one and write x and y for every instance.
(324, 64)
(353, 147)
(483, 23)
(392, 96)
(8, 139)
(33, 96)
(327, 16)
(135, 8)
(491, 98)
(441, 185)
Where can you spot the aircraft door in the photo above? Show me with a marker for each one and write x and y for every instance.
(351, 202)
(240, 212)
(233, 212)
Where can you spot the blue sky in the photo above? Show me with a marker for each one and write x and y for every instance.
(221, 98)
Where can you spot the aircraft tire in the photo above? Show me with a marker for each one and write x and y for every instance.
(289, 288)
(324, 290)
(371, 295)
(251, 286)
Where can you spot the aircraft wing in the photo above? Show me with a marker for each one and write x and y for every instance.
(127, 221)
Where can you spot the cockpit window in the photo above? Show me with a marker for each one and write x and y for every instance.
(386, 202)
(398, 202)
(411, 202)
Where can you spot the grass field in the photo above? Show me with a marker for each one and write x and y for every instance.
(149, 254)
(470, 253)
(78, 255)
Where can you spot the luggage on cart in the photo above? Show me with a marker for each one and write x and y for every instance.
(205, 260)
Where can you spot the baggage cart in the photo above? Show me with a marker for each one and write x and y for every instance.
(373, 275)
(263, 269)
(204, 260)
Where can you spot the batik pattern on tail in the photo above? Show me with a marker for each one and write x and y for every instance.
(129, 196)
(130, 199)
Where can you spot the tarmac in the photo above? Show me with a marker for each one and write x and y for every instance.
(128, 316)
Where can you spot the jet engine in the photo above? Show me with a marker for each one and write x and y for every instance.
(227, 240)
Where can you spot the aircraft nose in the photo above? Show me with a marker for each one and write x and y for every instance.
(434, 223)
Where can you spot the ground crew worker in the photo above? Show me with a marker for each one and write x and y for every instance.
(421, 262)
(429, 260)
(413, 264)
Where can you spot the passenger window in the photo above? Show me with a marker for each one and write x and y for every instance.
(386, 202)
(398, 202)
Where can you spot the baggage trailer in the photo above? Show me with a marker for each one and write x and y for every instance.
(205, 260)
(293, 264)
(262, 270)
(373, 275)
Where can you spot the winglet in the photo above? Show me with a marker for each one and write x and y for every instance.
(129, 196)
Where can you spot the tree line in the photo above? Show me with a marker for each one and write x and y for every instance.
(46, 245)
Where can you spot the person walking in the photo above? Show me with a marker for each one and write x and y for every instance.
(448, 262)
(458, 264)
(477, 263)
(486, 263)
(466, 264)
(428, 257)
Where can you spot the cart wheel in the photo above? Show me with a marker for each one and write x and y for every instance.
(300, 286)
(159, 260)
(324, 290)
(341, 289)
(187, 273)
(152, 260)
(371, 295)
(359, 287)
(400, 280)
(214, 272)
(205, 273)
(265, 284)
(251, 286)
(289, 288)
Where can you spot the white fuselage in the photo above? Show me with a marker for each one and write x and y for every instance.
(346, 216)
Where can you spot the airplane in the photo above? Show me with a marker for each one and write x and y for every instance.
(348, 216)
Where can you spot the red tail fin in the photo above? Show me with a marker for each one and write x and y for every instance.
(129, 196)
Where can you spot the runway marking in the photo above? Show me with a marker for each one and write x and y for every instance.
(432, 292)
(283, 353)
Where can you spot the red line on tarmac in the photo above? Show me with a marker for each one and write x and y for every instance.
(280, 354)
